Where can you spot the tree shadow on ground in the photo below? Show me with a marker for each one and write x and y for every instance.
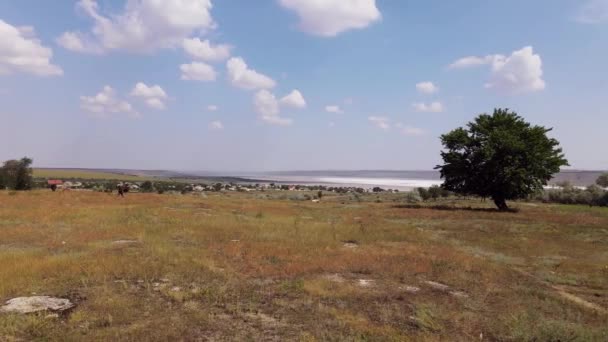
(454, 208)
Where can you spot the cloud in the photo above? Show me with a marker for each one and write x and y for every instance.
(593, 12)
(472, 61)
(143, 26)
(277, 120)
(216, 125)
(380, 122)
(21, 51)
(198, 71)
(294, 99)
(106, 102)
(434, 107)
(266, 103)
(203, 50)
(212, 108)
(334, 109)
(267, 106)
(241, 76)
(427, 87)
(518, 73)
(329, 18)
(153, 96)
(410, 130)
(74, 41)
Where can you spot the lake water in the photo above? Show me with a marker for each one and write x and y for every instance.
(402, 180)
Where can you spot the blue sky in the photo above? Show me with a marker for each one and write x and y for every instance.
(292, 84)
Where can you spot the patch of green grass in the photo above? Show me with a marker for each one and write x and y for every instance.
(84, 174)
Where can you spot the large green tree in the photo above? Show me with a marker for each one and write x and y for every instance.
(499, 156)
(17, 174)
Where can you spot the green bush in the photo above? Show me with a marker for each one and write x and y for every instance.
(413, 197)
(568, 194)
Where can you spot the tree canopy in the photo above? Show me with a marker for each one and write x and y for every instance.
(602, 180)
(16, 174)
(499, 156)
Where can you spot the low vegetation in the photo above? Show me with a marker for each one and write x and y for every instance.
(254, 266)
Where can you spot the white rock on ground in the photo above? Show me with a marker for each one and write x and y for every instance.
(437, 286)
(411, 289)
(365, 282)
(125, 242)
(26, 305)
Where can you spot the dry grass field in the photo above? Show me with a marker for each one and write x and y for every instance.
(253, 267)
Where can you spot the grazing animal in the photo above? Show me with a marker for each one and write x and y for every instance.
(122, 189)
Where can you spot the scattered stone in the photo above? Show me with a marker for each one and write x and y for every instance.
(125, 242)
(26, 305)
(459, 294)
(437, 286)
(411, 289)
(176, 289)
(365, 282)
(350, 245)
(165, 280)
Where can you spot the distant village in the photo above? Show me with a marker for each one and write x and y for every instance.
(183, 187)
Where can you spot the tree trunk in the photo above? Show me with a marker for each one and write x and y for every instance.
(501, 204)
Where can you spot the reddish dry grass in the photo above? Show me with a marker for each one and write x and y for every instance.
(288, 275)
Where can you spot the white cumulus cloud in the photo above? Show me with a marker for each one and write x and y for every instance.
(198, 71)
(21, 51)
(294, 99)
(203, 50)
(267, 106)
(241, 76)
(153, 96)
(427, 87)
(334, 109)
(216, 125)
(329, 18)
(433, 107)
(518, 73)
(76, 41)
(142, 26)
(212, 108)
(380, 122)
(106, 102)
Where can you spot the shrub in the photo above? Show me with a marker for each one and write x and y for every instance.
(424, 194)
(435, 192)
(602, 180)
(413, 197)
(592, 195)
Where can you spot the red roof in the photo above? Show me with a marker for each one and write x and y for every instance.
(54, 182)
